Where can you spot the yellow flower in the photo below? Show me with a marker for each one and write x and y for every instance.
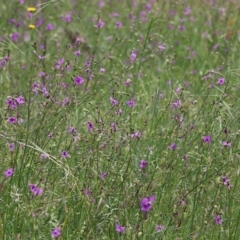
(32, 26)
(31, 9)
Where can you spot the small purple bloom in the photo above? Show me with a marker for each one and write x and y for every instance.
(56, 232)
(78, 80)
(118, 24)
(20, 100)
(218, 220)
(177, 104)
(226, 144)
(11, 147)
(65, 154)
(119, 228)
(100, 24)
(77, 53)
(173, 146)
(113, 101)
(12, 120)
(226, 182)
(143, 164)
(9, 172)
(36, 191)
(146, 203)
(90, 126)
(131, 103)
(221, 81)
(133, 56)
(207, 139)
(159, 228)
(49, 27)
(103, 175)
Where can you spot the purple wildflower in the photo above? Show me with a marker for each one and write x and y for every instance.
(146, 203)
(131, 103)
(56, 232)
(9, 172)
(218, 220)
(49, 27)
(207, 139)
(90, 126)
(226, 144)
(221, 81)
(143, 164)
(173, 146)
(100, 24)
(12, 120)
(177, 104)
(20, 100)
(65, 154)
(226, 182)
(11, 147)
(113, 101)
(133, 56)
(118, 24)
(159, 228)
(78, 80)
(36, 191)
(119, 228)
(77, 53)
(103, 175)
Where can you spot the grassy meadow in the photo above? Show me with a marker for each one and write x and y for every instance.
(120, 119)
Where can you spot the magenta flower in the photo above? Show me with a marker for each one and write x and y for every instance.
(20, 100)
(207, 139)
(133, 56)
(226, 182)
(159, 228)
(12, 120)
(100, 24)
(119, 228)
(90, 126)
(49, 27)
(177, 104)
(226, 144)
(56, 232)
(218, 220)
(146, 203)
(173, 146)
(65, 154)
(113, 101)
(11, 147)
(77, 53)
(221, 81)
(143, 164)
(103, 175)
(118, 24)
(36, 191)
(78, 80)
(9, 172)
(131, 103)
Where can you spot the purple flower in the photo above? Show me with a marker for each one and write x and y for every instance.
(113, 101)
(100, 24)
(65, 154)
(143, 164)
(118, 24)
(133, 56)
(20, 100)
(36, 191)
(218, 220)
(77, 53)
(173, 146)
(102, 70)
(146, 203)
(9, 172)
(12, 120)
(221, 81)
(177, 104)
(226, 182)
(90, 126)
(161, 48)
(72, 130)
(127, 83)
(56, 232)
(11, 147)
(226, 144)
(49, 27)
(119, 228)
(78, 80)
(103, 175)
(131, 103)
(15, 36)
(207, 139)
(11, 103)
(159, 228)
